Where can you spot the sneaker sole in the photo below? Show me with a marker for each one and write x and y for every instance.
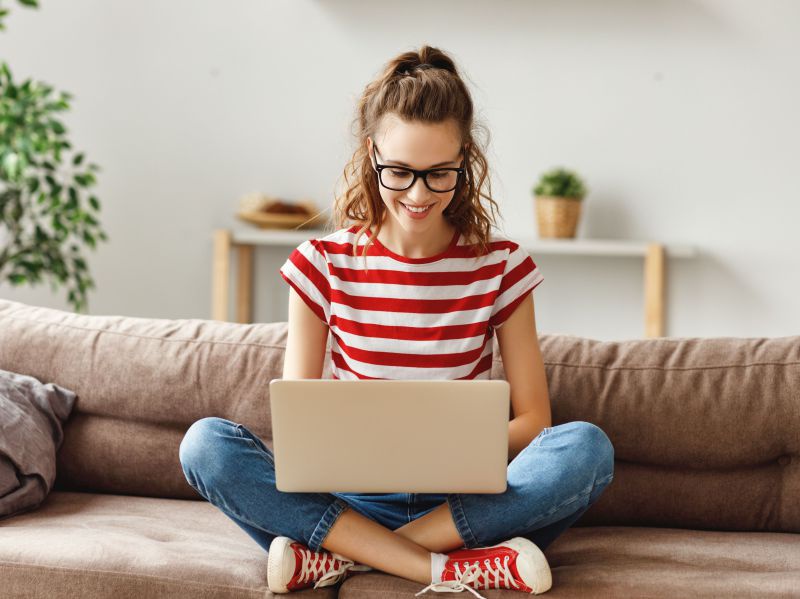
(532, 565)
(277, 551)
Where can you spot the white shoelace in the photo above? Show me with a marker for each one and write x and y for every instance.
(474, 573)
(315, 563)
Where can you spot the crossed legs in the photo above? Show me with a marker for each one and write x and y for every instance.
(404, 552)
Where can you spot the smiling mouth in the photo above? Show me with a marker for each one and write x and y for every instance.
(415, 208)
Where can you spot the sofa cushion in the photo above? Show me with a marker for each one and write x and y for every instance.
(705, 430)
(99, 545)
(608, 562)
(141, 382)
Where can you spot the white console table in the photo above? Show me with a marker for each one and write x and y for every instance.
(243, 240)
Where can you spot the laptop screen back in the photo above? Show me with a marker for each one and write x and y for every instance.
(390, 436)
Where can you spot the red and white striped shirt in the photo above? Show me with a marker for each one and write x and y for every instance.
(410, 318)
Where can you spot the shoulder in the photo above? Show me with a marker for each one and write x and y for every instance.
(321, 241)
(500, 245)
(504, 241)
(512, 252)
(338, 235)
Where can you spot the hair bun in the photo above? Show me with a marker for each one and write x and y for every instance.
(412, 62)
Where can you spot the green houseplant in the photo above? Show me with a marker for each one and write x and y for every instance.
(47, 209)
(559, 194)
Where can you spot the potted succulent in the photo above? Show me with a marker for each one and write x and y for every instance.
(559, 197)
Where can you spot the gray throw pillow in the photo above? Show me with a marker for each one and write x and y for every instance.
(32, 415)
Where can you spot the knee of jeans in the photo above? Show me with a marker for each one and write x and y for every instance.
(597, 449)
(197, 446)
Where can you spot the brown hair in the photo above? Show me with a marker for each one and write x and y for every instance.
(426, 87)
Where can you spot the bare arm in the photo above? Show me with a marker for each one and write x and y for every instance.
(524, 367)
(305, 344)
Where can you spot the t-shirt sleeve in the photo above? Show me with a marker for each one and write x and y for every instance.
(520, 277)
(306, 270)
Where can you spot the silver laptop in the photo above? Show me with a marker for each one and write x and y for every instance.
(390, 436)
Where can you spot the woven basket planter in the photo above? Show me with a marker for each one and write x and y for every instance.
(557, 217)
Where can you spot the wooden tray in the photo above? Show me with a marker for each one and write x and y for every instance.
(277, 220)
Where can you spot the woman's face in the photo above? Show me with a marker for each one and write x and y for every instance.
(418, 146)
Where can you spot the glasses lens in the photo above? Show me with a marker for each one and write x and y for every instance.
(442, 180)
(396, 178)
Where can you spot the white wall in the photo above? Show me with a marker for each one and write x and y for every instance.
(682, 116)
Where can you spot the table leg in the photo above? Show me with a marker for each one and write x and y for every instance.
(220, 271)
(654, 291)
(244, 283)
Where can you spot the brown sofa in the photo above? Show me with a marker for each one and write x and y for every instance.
(705, 500)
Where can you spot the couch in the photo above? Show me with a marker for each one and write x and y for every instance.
(705, 500)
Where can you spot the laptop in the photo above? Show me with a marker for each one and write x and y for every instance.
(390, 436)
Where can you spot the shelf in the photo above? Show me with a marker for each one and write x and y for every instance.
(583, 247)
(244, 240)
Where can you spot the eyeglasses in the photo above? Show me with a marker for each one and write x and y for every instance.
(400, 178)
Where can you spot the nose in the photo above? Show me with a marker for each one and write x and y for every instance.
(418, 192)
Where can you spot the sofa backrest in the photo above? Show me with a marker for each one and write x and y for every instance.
(706, 431)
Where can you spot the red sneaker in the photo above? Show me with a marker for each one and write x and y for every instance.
(517, 564)
(292, 566)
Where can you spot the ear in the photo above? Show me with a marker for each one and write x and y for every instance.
(369, 151)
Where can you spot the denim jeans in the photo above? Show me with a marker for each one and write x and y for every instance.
(551, 483)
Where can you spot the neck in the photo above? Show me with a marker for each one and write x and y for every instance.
(417, 245)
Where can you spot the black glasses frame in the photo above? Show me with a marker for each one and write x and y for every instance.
(417, 174)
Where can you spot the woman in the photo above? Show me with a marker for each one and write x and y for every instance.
(415, 289)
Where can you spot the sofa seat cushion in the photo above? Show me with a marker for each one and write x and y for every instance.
(120, 546)
(621, 561)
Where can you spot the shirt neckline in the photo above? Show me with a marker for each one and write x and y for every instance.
(383, 249)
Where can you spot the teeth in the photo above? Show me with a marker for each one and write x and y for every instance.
(416, 209)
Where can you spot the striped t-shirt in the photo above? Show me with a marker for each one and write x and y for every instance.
(410, 318)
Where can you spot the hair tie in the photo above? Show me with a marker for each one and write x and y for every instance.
(409, 71)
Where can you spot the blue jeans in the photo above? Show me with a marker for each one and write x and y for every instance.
(551, 483)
